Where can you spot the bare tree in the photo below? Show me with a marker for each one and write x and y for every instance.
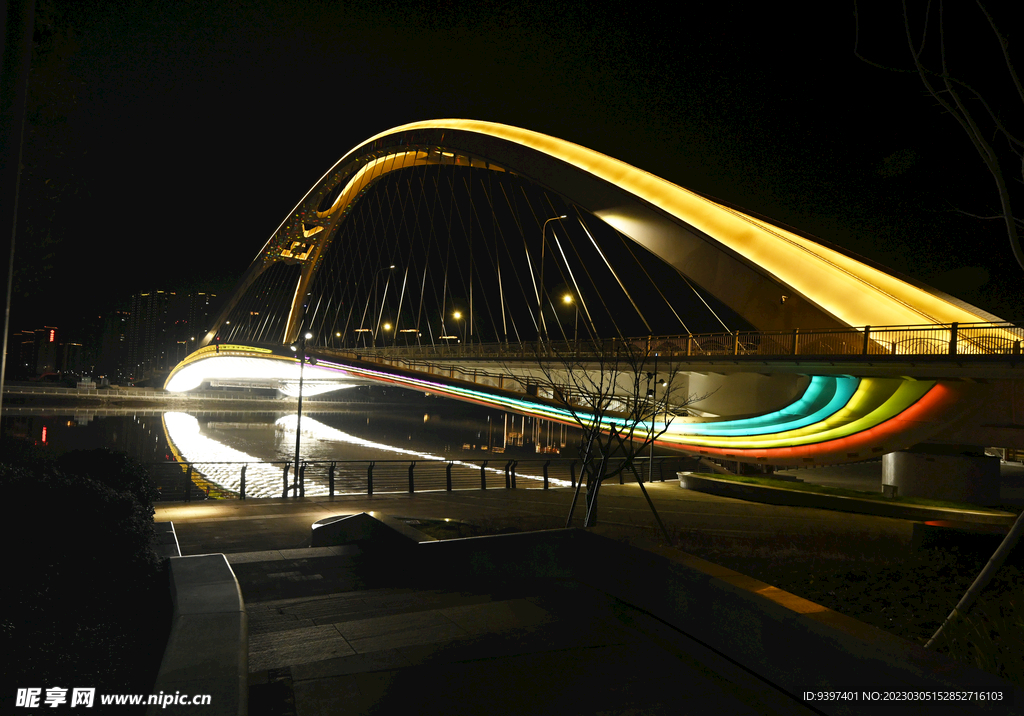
(623, 396)
(971, 95)
(984, 117)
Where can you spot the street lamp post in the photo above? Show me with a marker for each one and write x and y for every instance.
(542, 327)
(652, 396)
(300, 348)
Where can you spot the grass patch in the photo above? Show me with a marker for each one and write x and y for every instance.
(989, 637)
(874, 578)
(882, 582)
(843, 492)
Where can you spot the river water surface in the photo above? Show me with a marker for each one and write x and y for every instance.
(392, 432)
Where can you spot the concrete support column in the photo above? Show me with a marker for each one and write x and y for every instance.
(943, 472)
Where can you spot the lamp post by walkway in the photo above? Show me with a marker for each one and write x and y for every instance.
(542, 328)
(299, 347)
(652, 397)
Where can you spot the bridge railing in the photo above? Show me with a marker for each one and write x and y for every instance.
(958, 339)
(193, 481)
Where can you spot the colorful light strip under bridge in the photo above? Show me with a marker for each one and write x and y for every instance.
(837, 419)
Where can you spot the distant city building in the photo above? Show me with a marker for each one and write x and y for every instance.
(46, 348)
(21, 361)
(72, 358)
(31, 353)
(114, 348)
(163, 327)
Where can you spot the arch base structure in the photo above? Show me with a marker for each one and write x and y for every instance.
(943, 472)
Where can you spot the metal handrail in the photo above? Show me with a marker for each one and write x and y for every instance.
(958, 339)
(198, 480)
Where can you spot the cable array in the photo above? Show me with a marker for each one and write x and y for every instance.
(446, 253)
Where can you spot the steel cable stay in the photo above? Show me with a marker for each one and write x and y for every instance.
(426, 234)
(598, 290)
(401, 227)
(488, 309)
(495, 232)
(365, 272)
(436, 245)
(385, 220)
(579, 299)
(457, 212)
(619, 281)
(451, 232)
(420, 202)
(533, 271)
(626, 244)
(512, 202)
(366, 288)
(447, 260)
(508, 252)
(339, 281)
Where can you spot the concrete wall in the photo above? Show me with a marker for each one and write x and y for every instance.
(739, 394)
(208, 648)
(957, 477)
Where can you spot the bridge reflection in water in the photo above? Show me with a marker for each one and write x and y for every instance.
(215, 462)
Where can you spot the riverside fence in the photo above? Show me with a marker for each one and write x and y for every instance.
(188, 481)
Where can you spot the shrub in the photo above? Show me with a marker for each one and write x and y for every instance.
(84, 586)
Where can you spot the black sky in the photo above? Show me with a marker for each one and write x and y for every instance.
(167, 140)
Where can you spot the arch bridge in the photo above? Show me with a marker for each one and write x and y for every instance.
(486, 263)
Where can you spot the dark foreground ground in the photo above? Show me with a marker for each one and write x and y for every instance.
(858, 565)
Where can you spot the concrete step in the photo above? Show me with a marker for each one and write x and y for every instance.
(303, 631)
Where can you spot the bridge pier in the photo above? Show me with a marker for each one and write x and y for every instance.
(943, 472)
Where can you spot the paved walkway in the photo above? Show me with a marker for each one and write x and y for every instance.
(361, 639)
(336, 631)
(243, 526)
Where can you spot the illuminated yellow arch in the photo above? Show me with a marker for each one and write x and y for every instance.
(774, 278)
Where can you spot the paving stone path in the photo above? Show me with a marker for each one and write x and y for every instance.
(341, 634)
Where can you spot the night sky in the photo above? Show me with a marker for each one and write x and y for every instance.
(168, 140)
